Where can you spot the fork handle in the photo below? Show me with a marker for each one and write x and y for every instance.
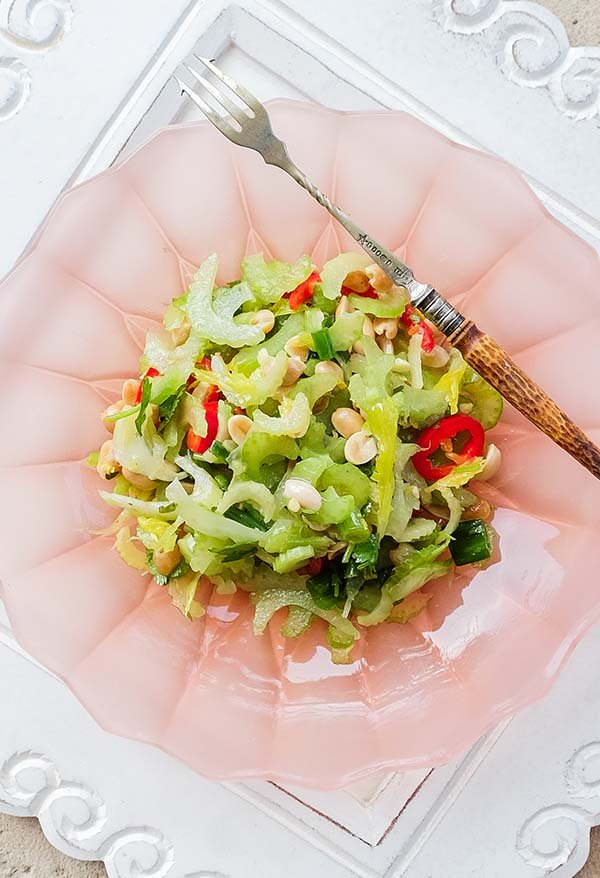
(493, 363)
(479, 350)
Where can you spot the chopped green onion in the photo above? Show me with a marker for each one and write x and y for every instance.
(222, 479)
(234, 553)
(323, 344)
(341, 646)
(123, 414)
(470, 542)
(248, 516)
(354, 529)
(219, 451)
(322, 590)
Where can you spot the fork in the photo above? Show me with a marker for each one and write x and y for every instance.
(251, 128)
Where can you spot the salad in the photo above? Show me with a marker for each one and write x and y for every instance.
(304, 435)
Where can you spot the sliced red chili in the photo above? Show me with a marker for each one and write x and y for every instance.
(370, 293)
(200, 444)
(445, 430)
(213, 394)
(312, 567)
(415, 323)
(150, 373)
(303, 291)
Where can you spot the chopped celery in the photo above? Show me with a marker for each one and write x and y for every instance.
(131, 553)
(211, 313)
(261, 450)
(312, 469)
(247, 390)
(268, 602)
(269, 281)
(314, 387)
(390, 304)
(292, 559)
(298, 620)
(354, 529)
(289, 533)
(337, 269)
(249, 492)
(247, 358)
(323, 344)
(334, 508)
(293, 420)
(451, 381)
(420, 408)
(487, 402)
(348, 479)
(210, 523)
(341, 646)
(346, 330)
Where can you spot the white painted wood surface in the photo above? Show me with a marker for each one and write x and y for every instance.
(80, 83)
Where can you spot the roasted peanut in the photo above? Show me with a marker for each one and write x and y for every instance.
(300, 494)
(129, 391)
(387, 326)
(239, 426)
(138, 480)
(347, 421)
(360, 448)
(166, 562)
(357, 281)
(113, 409)
(264, 319)
(107, 466)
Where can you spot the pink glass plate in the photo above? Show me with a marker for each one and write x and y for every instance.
(73, 316)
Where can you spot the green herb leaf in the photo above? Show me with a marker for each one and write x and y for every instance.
(365, 554)
(144, 402)
(248, 516)
(234, 553)
(159, 578)
(167, 408)
(322, 590)
(126, 413)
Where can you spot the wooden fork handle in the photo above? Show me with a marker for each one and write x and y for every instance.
(494, 364)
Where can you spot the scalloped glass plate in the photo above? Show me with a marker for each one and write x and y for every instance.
(73, 316)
